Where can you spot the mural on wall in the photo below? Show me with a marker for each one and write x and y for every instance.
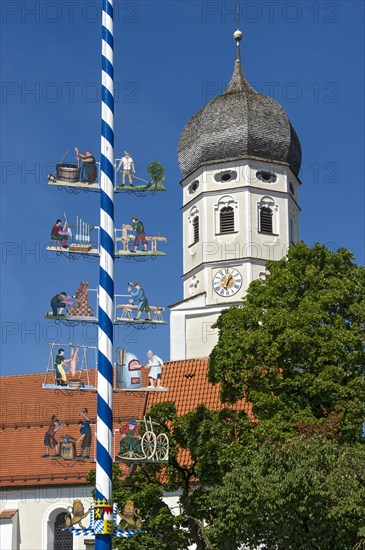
(66, 448)
(141, 441)
(138, 303)
(138, 236)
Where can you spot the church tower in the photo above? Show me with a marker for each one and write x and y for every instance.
(240, 158)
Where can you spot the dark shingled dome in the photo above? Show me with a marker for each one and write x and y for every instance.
(240, 123)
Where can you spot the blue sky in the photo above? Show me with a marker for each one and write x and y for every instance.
(170, 59)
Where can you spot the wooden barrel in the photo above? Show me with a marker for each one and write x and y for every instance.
(75, 383)
(69, 173)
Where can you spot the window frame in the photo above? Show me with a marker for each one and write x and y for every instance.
(224, 202)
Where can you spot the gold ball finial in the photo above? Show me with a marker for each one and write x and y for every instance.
(237, 35)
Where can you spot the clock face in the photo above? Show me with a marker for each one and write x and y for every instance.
(227, 282)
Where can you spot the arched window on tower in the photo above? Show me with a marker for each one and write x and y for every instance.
(266, 214)
(226, 215)
(63, 540)
(226, 220)
(196, 229)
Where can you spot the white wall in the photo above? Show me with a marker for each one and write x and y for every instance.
(36, 505)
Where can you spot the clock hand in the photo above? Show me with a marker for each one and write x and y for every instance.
(228, 280)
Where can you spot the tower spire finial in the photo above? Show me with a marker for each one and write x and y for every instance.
(237, 35)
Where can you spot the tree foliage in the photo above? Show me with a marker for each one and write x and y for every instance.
(295, 349)
(304, 494)
(292, 476)
(202, 444)
(156, 171)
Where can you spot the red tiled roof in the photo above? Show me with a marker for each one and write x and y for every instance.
(189, 387)
(26, 410)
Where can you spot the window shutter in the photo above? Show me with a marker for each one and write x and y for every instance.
(196, 229)
(226, 220)
(266, 219)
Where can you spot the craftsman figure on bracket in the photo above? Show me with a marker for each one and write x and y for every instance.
(139, 297)
(155, 364)
(59, 302)
(138, 227)
(128, 168)
(130, 437)
(61, 378)
(59, 233)
(88, 166)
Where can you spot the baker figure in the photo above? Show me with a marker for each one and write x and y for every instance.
(155, 365)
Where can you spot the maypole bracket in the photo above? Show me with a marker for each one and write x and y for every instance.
(103, 521)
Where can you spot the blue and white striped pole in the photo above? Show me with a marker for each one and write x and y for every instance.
(106, 287)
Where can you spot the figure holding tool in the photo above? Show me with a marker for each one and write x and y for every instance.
(128, 168)
(88, 166)
(139, 297)
(85, 431)
(60, 233)
(155, 364)
(50, 440)
(138, 227)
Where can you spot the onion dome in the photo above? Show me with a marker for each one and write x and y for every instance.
(240, 123)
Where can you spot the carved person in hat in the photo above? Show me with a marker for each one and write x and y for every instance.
(138, 227)
(130, 436)
(128, 169)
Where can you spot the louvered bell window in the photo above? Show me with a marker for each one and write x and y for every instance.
(266, 220)
(226, 219)
(196, 229)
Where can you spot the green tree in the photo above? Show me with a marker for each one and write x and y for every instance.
(295, 349)
(202, 444)
(304, 494)
(157, 173)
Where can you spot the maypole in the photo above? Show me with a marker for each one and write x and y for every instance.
(106, 283)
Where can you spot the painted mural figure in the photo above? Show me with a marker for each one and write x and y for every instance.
(130, 437)
(50, 441)
(128, 168)
(85, 431)
(138, 227)
(59, 302)
(88, 166)
(155, 365)
(59, 233)
(139, 297)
